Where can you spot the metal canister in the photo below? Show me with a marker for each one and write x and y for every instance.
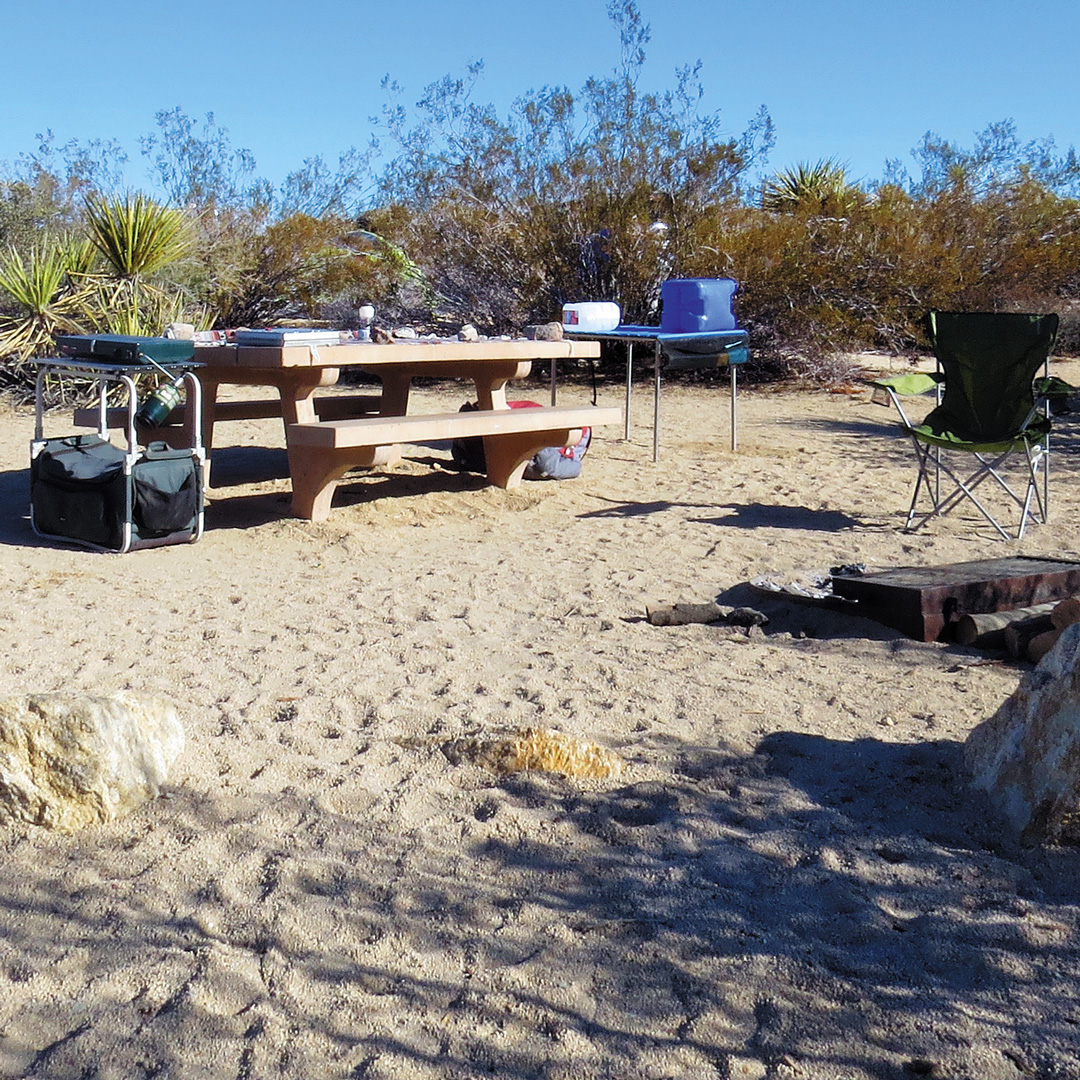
(155, 409)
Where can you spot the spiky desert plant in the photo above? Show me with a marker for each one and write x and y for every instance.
(822, 188)
(138, 238)
(49, 300)
(83, 257)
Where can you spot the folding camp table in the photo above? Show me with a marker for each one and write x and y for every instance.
(675, 352)
(84, 490)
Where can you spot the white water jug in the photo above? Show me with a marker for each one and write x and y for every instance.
(595, 317)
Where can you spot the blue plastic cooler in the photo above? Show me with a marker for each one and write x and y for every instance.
(697, 305)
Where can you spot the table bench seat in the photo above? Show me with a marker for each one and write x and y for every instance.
(334, 407)
(321, 453)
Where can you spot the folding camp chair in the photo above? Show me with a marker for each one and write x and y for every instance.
(990, 405)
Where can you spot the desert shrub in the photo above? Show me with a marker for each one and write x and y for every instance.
(262, 255)
(137, 239)
(286, 269)
(605, 193)
(820, 189)
(108, 280)
(45, 297)
(42, 193)
(815, 283)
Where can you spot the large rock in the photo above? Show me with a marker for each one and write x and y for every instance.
(1027, 756)
(550, 331)
(69, 761)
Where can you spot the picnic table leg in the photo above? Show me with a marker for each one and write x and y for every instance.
(296, 389)
(315, 473)
(393, 402)
(395, 392)
(209, 411)
(491, 393)
(507, 455)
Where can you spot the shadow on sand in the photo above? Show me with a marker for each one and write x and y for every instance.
(818, 906)
(743, 515)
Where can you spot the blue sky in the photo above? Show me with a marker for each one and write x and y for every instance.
(859, 81)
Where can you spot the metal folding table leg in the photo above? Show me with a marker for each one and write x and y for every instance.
(734, 404)
(656, 406)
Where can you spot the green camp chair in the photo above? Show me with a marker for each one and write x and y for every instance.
(990, 405)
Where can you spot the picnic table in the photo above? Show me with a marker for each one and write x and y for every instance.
(327, 437)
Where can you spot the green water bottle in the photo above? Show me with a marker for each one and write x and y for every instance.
(155, 409)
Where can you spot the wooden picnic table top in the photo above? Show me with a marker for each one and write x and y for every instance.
(406, 352)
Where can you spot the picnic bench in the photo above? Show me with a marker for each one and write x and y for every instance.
(320, 453)
(337, 407)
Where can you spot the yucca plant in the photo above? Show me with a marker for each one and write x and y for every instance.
(122, 306)
(138, 238)
(814, 189)
(50, 299)
(83, 257)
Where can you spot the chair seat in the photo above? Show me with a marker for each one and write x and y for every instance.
(1036, 431)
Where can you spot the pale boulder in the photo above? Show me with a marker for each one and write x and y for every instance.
(1027, 756)
(68, 761)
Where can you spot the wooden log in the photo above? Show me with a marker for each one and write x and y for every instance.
(1019, 634)
(1041, 644)
(683, 614)
(1066, 613)
(987, 631)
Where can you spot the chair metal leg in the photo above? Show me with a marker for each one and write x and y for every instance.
(1046, 479)
(966, 487)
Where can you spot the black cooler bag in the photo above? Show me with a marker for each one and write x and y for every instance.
(84, 489)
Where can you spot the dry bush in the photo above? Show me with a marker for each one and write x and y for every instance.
(812, 286)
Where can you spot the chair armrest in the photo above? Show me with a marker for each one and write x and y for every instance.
(909, 385)
(888, 390)
(1052, 396)
(1053, 388)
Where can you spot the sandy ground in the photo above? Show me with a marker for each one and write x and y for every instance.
(789, 879)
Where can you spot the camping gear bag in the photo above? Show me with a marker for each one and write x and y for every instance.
(84, 489)
(87, 491)
(550, 463)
